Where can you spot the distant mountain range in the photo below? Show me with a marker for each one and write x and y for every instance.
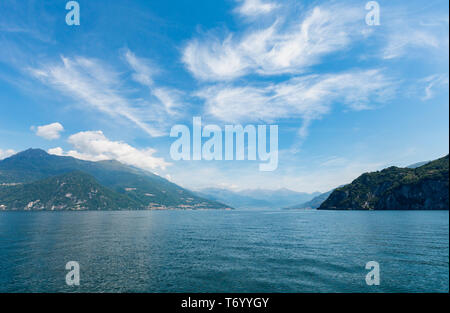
(314, 203)
(257, 198)
(418, 164)
(36, 180)
(424, 187)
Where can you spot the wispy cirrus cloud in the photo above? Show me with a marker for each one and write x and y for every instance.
(255, 7)
(410, 35)
(95, 146)
(434, 82)
(283, 47)
(307, 97)
(92, 84)
(143, 73)
(399, 43)
(263, 73)
(143, 69)
(97, 85)
(286, 49)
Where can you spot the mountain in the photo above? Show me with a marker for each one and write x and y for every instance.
(418, 164)
(421, 188)
(314, 203)
(148, 190)
(279, 197)
(257, 198)
(71, 191)
(234, 199)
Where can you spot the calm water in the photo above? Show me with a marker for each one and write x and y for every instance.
(224, 251)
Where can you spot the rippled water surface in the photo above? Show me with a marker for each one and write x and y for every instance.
(225, 251)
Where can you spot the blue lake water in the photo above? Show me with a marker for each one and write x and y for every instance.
(225, 251)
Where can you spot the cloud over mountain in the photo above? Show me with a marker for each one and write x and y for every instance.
(6, 153)
(95, 146)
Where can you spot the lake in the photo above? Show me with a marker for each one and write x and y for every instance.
(225, 251)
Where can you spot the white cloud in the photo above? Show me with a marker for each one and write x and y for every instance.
(95, 146)
(334, 161)
(280, 48)
(50, 131)
(433, 82)
(6, 153)
(96, 85)
(399, 42)
(290, 45)
(142, 68)
(308, 97)
(255, 7)
(143, 72)
(413, 34)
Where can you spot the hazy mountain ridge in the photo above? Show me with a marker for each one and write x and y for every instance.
(418, 164)
(420, 188)
(257, 198)
(146, 189)
(314, 203)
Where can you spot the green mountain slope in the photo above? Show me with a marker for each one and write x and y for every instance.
(421, 188)
(147, 189)
(71, 191)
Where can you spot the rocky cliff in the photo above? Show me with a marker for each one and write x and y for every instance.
(421, 188)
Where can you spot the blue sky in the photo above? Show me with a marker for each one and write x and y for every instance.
(347, 97)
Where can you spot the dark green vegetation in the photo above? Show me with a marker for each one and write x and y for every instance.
(34, 175)
(421, 188)
(74, 191)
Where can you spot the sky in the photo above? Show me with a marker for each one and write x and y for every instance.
(348, 97)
